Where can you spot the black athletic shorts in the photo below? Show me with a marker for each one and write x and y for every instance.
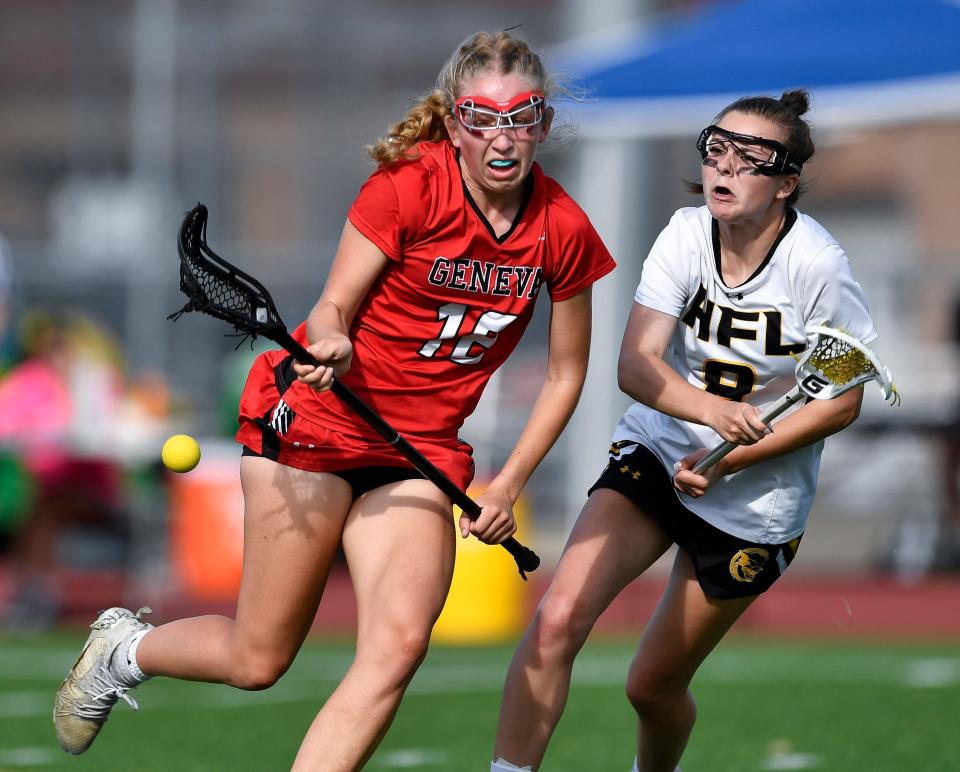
(364, 478)
(726, 565)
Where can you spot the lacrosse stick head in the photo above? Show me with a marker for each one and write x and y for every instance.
(215, 287)
(836, 362)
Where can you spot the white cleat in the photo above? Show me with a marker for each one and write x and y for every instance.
(95, 683)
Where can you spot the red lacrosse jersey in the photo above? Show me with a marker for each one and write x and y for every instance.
(454, 299)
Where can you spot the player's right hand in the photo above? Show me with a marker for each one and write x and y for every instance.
(737, 422)
(335, 354)
(496, 522)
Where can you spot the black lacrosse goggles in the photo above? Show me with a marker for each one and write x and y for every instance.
(766, 156)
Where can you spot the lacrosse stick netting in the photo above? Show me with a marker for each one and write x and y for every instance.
(836, 362)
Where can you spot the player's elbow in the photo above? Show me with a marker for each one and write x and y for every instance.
(628, 381)
(848, 410)
(851, 414)
(629, 369)
(623, 378)
(636, 378)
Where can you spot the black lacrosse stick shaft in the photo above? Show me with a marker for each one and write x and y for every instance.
(213, 286)
(526, 558)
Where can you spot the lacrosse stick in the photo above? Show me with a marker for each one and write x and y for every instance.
(215, 287)
(835, 363)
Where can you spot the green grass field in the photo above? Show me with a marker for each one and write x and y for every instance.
(764, 705)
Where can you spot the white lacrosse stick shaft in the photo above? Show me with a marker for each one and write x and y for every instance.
(792, 397)
(811, 384)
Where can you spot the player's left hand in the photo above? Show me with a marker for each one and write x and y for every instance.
(687, 481)
(496, 522)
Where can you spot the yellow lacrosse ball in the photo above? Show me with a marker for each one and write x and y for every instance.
(180, 453)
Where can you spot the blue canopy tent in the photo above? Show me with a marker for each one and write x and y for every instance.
(867, 63)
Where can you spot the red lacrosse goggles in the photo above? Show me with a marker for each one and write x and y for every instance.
(522, 112)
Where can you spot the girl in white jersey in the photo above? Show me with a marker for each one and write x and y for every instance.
(722, 304)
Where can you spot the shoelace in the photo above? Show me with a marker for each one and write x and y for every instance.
(108, 692)
(106, 689)
(110, 621)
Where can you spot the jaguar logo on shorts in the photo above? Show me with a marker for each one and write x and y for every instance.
(747, 563)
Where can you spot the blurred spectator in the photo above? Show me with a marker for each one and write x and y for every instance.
(55, 407)
(13, 479)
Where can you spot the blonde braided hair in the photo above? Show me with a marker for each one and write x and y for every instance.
(499, 52)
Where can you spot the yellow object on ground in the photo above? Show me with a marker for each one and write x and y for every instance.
(488, 600)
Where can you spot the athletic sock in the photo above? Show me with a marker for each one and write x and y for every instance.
(129, 669)
(637, 769)
(502, 765)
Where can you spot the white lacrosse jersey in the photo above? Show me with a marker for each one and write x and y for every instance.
(739, 342)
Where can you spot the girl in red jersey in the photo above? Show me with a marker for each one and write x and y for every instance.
(441, 260)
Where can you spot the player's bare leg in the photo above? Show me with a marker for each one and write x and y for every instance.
(611, 544)
(399, 542)
(684, 629)
(292, 528)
